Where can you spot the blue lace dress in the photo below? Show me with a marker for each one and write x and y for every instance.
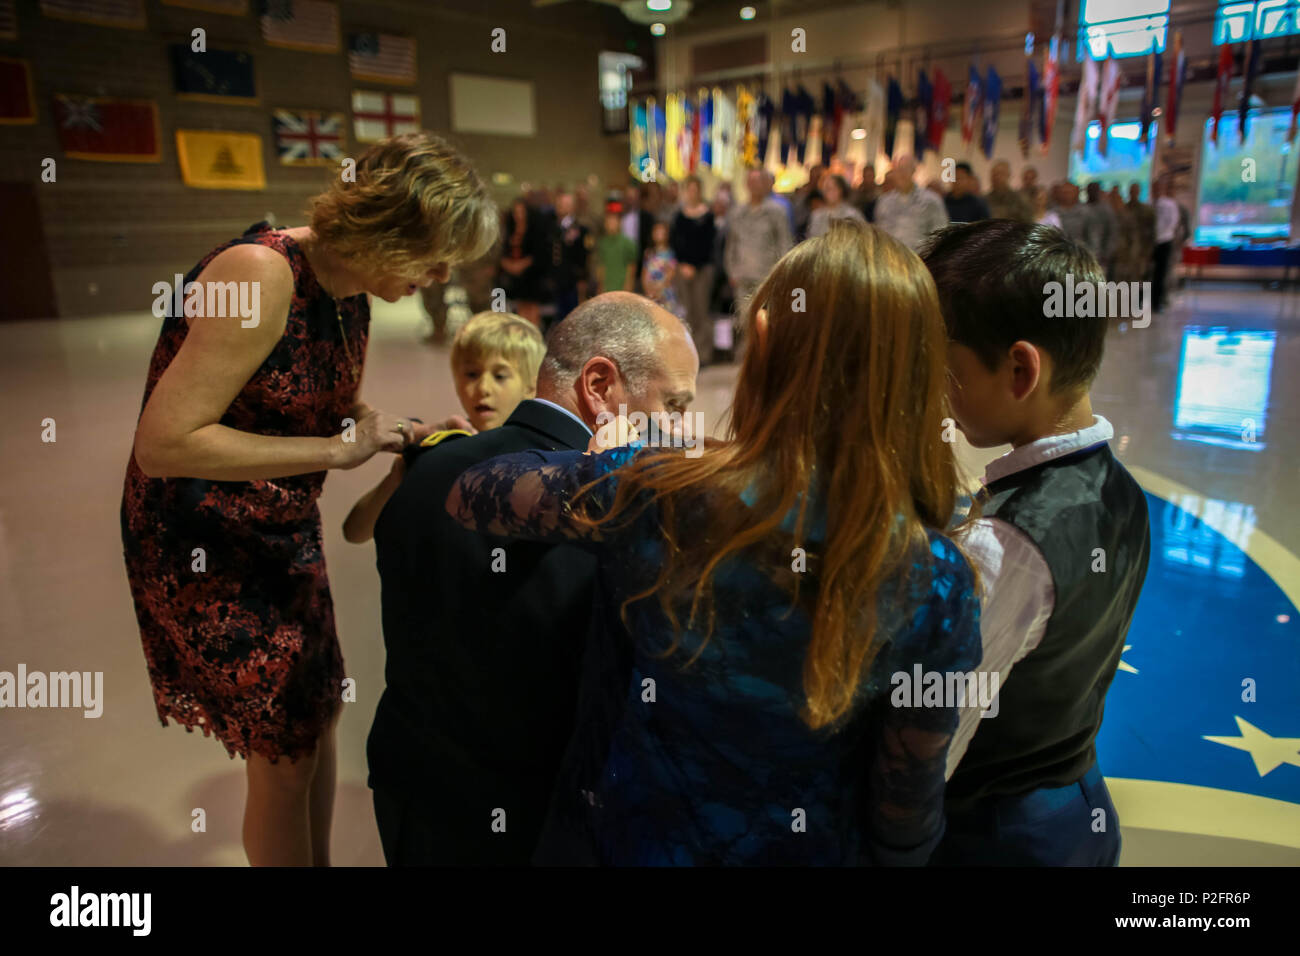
(710, 763)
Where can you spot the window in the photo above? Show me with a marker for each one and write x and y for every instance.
(1124, 27)
(1126, 160)
(615, 74)
(1246, 189)
(1239, 20)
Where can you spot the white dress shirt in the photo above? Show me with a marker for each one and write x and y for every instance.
(561, 408)
(1167, 217)
(1017, 595)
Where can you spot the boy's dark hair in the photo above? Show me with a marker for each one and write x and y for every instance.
(991, 277)
(965, 168)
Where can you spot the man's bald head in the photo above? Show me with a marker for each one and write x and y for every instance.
(619, 348)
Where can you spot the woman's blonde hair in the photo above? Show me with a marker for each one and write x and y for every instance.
(840, 403)
(414, 201)
(512, 337)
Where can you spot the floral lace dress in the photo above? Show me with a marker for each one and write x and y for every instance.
(228, 577)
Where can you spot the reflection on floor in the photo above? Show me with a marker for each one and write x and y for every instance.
(1202, 726)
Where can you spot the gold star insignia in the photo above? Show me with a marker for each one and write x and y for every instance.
(1269, 753)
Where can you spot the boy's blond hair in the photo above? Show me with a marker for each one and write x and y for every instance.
(512, 337)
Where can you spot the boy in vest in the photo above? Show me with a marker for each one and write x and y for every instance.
(1061, 548)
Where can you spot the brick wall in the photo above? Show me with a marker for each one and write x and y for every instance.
(114, 229)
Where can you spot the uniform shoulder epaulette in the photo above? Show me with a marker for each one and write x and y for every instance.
(438, 437)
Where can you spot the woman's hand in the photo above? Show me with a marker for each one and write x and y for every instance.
(420, 431)
(688, 270)
(374, 431)
(614, 433)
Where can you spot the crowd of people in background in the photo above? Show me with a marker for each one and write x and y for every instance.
(701, 256)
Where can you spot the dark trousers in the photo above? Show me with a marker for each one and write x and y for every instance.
(1161, 266)
(422, 829)
(1055, 826)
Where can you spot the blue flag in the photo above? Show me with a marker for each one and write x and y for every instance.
(992, 101)
(893, 107)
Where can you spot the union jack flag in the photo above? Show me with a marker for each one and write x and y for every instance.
(308, 138)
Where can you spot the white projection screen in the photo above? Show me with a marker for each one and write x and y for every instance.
(489, 104)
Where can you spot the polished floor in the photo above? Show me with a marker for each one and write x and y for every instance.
(1201, 741)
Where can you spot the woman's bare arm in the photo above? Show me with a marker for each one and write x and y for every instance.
(178, 434)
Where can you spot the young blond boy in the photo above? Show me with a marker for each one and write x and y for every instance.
(494, 361)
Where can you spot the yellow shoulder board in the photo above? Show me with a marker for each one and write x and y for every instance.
(436, 437)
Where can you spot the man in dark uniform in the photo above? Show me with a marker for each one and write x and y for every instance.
(571, 244)
(484, 636)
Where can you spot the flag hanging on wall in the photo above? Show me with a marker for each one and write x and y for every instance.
(104, 13)
(747, 144)
(972, 108)
(993, 100)
(214, 76)
(659, 137)
(704, 110)
(218, 159)
(1051, 91)
(17, 104)
(672, 133)
(1249, 70)
(1148, 93)
(377, 116)
(311, 25)
(692, 134)
(922, 113)
(1221, 83)
(1295, 111)
(106, 129)
(724, 135)
(1107, 102)
(638, 142)
(1083, 110)
(893, 108)
(382, 58)
(1177, 75)
(939, 113)
(1033, 103)
(308, 137)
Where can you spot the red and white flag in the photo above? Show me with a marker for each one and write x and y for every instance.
(377, 116)
(382, 58)
(1084, 110)
(1051, 92)
(1221, 89)
(1108, 102)
(1295, 111)
(302, 25)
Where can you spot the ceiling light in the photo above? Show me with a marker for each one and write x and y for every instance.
(659, 4)
(657, 29)
(859, 133)
(748, 13)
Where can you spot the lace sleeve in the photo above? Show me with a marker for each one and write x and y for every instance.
(904, 815)
(531, 494)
